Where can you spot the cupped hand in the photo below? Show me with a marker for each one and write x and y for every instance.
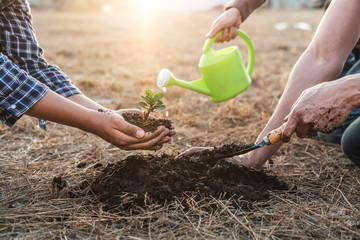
(172, 131)
(112, 127)
(228, 22)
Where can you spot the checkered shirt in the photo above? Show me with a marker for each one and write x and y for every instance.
(25, 76)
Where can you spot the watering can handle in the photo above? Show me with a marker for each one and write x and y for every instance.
(250, 47)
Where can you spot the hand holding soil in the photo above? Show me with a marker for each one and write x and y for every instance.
(112, 127)
(135, 117)
(151, 102)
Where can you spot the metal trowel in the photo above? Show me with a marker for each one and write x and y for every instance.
(271, 138)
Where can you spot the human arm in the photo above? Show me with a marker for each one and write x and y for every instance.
(21, 94)
(89, 103)
(322, 61)
(323, 107)
(107, 125)
(28, 84)
(229, 21)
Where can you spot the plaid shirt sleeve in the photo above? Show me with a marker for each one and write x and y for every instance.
(18, 91)
(18, 42)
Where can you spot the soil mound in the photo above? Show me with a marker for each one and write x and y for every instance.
(162, 178)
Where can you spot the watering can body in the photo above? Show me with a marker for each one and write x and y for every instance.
(224, 74)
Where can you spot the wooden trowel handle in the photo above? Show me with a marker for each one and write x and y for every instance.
(275, 135)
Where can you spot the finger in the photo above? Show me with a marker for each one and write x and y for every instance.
(194, 150)
(127, 128)
(166, 139)
(171, 133)
(233, 32)
(152, 135)
(289, 129)
(238, 160)
(219, 39)
(233, 161)
(226, 35)
(122, 140)
(149, 144)
(156, 148)
(215, 28)
(154, 143)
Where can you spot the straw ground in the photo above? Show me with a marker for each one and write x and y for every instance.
(113, 58)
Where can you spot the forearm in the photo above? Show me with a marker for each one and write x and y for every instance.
(85, 102)
(322, 61)
(56, 108)
(308, 71)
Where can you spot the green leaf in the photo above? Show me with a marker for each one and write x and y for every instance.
(160, 107)
(144, 98)
(143, 105)
(149, 93)
(158, 96)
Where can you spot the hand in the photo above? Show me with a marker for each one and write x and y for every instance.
(245, 160)
(78, 111)
(242, 160)
(322, 107)
(193, 150)
(164, 140)
(113, 128)
(228, 22)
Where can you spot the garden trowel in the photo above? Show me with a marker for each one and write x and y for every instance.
(271, 138)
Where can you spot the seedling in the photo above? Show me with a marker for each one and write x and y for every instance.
(151, 103)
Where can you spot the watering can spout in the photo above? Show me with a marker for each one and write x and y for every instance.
(166, 78)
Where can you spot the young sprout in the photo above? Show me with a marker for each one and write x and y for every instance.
(151, 103)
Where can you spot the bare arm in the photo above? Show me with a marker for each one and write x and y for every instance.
(109, 126)
(85, 102)
(229, 21)
(322, 61)
(323, 107)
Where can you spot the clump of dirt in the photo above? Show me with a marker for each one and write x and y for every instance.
(163, 178)
(150, 125)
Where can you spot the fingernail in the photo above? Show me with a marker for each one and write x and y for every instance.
(140, 133)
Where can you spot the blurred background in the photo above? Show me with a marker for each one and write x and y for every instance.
(184, 5)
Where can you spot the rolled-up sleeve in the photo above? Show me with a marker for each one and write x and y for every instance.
(18, 91)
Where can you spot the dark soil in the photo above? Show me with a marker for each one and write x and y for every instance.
(150, 125)
(163, 178)
(59, 183)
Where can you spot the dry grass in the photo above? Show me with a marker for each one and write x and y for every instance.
(115, 57)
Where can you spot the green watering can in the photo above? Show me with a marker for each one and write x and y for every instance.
(224, 74)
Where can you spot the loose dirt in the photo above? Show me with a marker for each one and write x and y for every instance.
(163, 178)
(149, 125)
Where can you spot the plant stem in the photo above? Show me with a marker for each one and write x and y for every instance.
(146, 115)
